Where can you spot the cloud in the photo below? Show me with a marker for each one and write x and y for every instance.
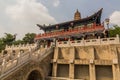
(56, 3)
(25, 14)
(2, 31)
(115, 18)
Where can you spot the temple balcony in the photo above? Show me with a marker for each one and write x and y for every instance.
(69, 32)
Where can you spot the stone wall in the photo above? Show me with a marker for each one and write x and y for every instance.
(92, 62)
(95, 59)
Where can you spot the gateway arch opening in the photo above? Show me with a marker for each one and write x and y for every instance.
(34, 75)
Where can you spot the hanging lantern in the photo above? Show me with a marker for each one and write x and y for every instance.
(71, 24)
(57, 27)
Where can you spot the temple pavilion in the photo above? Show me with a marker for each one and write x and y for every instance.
(88, 27)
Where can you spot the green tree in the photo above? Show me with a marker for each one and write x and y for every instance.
(114, 31)
(29, 38)
(17, 42)
(2, 45)
(9, 38)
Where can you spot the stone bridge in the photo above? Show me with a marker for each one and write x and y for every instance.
(94, 59)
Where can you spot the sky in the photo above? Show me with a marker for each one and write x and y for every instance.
(21, 16)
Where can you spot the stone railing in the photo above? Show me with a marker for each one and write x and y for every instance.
(22, 59)
(21, 46)
(10, 55)
(102, 41)
(17, 49)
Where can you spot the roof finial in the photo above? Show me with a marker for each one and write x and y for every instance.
(77, 10)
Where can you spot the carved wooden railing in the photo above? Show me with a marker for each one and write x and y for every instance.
(70, 31)
(14, 64)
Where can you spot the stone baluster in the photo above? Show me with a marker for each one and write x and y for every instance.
(56, 43)
(69, 43)
(19, 58)
(83, 41)
(50, 44)
(117, 39)
(41, 46)
(99, 40)
(30, 49)
(46, 46)
(3, 66)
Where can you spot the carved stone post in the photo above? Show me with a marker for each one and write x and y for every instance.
(18, 58)
(54, 71)
(115, 65)
(92, 71)
(117, 39)
(3, 66)
(71, 65)
(115, 69)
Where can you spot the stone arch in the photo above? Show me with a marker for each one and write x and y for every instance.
(21, 51)
(35, 74)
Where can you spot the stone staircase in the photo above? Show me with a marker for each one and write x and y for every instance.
(9, 66)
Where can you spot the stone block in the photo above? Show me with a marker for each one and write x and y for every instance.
(115, 61)
(91, 61)
(71, 61)
(54, 60)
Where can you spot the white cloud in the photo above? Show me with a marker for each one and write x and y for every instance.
(56, 3)
(115, 18)
(25, 14)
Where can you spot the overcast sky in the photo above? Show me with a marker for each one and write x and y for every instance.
(21, 16)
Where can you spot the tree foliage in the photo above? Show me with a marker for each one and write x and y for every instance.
(10, 39)
(114, 31)
(7, 40)
(29, 38)
(17, 42)
(2, 45)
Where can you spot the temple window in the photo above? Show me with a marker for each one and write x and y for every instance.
(90, 25)
(61, 29)
(57, 27)
(70, 27)
(81, 26)
(47, 31)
